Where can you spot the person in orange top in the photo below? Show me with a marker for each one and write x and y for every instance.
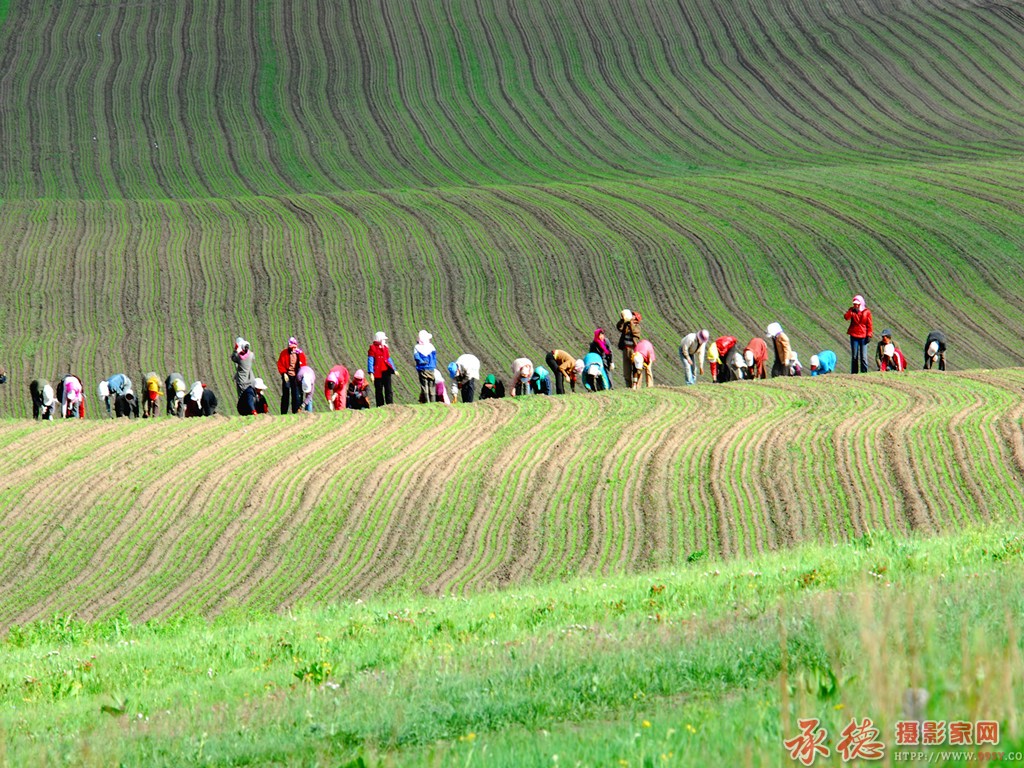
(288, 363)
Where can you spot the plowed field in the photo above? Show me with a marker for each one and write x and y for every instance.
(152, 518)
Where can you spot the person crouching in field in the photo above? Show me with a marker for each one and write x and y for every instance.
(380, 366)
(755, 355)
(892, 359)
(691, 352)
(784, 355)
(424, 355)
(643, 360)
(307, 382)
(336, 388)
(121, 390)
(628, 327)
(563, 366)
(540, 382)
(522, 372)
(935, 350)
(251, 402)
(595, 376)
(440, 389)
(860, 331)
(601, 346)
(176, 391)
(150, 407)
(200, 401)
(358, 397)
(288, 363)
(886, 339)
(492, 388)
(823, 362)
(719, 355)
(72, 397)
(44, 401)
(465, 373)
(243, 358)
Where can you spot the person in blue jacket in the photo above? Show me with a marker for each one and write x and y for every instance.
(823, 362)
(125, 402)
(595, 376)
(425, 357)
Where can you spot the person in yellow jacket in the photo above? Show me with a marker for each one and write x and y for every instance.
(153, 392)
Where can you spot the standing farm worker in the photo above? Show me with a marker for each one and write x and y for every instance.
(44, 401)
(563, 366)
(540, 382)
(288, 363)
(243, 358)
(176, 391)
(601, 346)
(201, 401)
(643, 362)
(425, 357)
(595, 377)
(522, 372)
(860, 332)
(691, 353)
(307, 381)
(358, 395)
(935, 350)
(150, 407)
(125, 401)
(72, 397)
(628, 327)
(258, 402)
(492, 388)
(465, 373)
(823, 362)
(380, 366)
(892, 359)
(336, 388)
(717, 357)
(886, 339)
(755, 355)
(784, 355)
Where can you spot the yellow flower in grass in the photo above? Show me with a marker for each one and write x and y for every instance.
(646, 723)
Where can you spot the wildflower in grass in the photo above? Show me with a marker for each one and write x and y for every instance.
(646, 723)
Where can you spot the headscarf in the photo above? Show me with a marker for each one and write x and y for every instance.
(490, 380)
(196, 393)
(381, 338)
(773, 330)
(424, 347)
(858, 301)
(602, 343)
(933, 349)
(703, 335)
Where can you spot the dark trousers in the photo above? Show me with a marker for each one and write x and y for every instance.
(556, 372)
(468, 391)
(382, 390)
(428, 387)
(247, 402)
(928, 361)
(858, 355)
(291, 393)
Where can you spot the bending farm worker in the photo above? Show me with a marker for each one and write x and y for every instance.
(151, 407)
(783, 352)
(425, 357)
(103, 393)
(288, 363)
(72, 397)
(243, 358)
(492, 389)
(522, 372)
(465, 373)
(380, 366)
(601, 347)
(262, 406)
(643, 361)
(176, 391)
(721, 373)
(794, 368)
(595, 377)
(200, 401)
(755, 355)
(563, 366)
(125, 401)
(440, 390)
(336, 388)
(823, 362)
(358, 397)
(892, 359)
(691, 352)
(44, 401)
(540, 382)
(628, 327)
(886, 339)
(935, 350)
(258, 404)
(860, 332)
(307, 381)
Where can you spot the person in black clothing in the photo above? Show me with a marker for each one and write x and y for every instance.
(935, 350)
(493, 389)
(200, 401)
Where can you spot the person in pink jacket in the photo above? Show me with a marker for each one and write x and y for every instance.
(336, 388)
(643, 359)
(72, 398)
(307, 383)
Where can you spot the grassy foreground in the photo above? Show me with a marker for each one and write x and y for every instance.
(711, 662)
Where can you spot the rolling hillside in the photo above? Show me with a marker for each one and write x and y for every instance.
(508, 175)
(153, 518)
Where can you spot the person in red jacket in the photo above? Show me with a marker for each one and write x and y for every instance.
(720, 369)
(380, 365)
(860, 333)
(755, 356)
(288, 363)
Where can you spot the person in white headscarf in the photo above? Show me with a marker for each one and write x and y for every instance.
(935, 350)
(424, 355)
(522, 372)
(691, 352)
(783, 351)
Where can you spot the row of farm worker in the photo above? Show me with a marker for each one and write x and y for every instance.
(592, 372)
